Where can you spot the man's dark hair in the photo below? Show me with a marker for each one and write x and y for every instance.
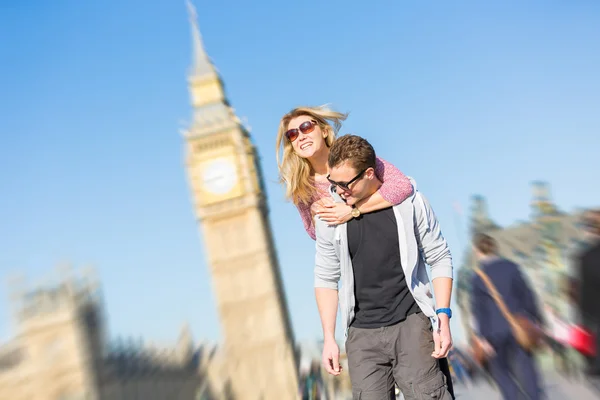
(354, 149)
(485, 244)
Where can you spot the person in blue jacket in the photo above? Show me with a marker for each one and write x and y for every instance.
(511, 366)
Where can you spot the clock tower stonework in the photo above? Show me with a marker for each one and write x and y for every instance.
(230, 204)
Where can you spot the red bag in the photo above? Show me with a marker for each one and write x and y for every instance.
(583, 341)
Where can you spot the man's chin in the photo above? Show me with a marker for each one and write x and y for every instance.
(350, 200)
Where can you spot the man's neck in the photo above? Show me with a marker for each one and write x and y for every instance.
(489, 258)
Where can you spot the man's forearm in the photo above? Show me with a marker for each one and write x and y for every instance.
(442, 290)
(327, 302)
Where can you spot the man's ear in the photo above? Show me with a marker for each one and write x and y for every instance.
(370, 173)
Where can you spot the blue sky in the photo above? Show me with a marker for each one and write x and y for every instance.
(467, 97)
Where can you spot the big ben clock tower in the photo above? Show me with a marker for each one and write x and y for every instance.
(230, 204)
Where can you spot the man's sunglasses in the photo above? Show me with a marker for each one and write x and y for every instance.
(346, 185)
(305, 127)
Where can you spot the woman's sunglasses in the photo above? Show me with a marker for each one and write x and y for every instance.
(305, 127)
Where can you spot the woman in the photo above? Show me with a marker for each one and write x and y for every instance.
(304, 138)
(511, 366)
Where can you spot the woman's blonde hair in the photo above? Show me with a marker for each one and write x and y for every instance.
(294, 171)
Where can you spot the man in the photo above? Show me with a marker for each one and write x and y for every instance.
(385, 299)
(589, 278)
(511, 366)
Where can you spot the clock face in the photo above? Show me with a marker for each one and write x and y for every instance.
(219, 176)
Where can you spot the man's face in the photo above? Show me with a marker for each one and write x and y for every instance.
(350, 184)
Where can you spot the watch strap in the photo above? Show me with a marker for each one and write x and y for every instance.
(446, 311)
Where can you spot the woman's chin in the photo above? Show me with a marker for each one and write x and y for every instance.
(318, 153)
(305, 154)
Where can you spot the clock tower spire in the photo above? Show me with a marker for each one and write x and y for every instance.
(201, 65)
(226, 182)
(206, 87)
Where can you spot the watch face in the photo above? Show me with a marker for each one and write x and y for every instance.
(219, 176)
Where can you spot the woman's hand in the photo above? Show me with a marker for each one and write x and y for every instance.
(319, 206)
(331, 212)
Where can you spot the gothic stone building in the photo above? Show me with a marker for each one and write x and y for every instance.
(230, 204)
(60, 352)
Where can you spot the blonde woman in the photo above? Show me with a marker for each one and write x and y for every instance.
(303, 141)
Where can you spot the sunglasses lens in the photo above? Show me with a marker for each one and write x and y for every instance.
(306, 127)
(335, 185)
(292, 134)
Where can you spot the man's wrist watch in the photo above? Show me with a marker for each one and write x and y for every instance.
(446, 311)
(355, 212)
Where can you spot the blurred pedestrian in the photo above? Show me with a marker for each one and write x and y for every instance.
(501, 301)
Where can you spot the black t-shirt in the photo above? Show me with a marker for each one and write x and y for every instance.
(382, 296)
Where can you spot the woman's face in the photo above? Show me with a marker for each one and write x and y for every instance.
(306, 136)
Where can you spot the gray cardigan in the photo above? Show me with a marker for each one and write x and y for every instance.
(421, 242)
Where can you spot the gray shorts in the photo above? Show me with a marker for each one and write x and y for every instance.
(400, 354)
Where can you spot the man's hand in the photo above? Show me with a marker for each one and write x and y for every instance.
(331, 357)
(487, 348)
(442, 338)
